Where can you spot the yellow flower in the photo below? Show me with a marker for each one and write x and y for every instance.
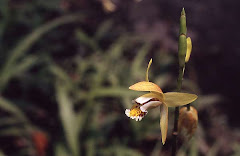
(156, 98)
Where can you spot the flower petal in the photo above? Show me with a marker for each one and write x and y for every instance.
(189, 49)
(146, 86)
(127, 112)
(149, 65)
(143, 99)
(150, 100)
(147, 97)
(174, 99)
(150, 105)
(164, 122)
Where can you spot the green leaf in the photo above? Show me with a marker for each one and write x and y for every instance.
(60, 73)
(24, 45)
(60, 150)
(28, 41)
(68, 118)
(11, 108)
(87, 40)
(8, 121)
(13, 131)
(103, 29)
(2, 154)
(136, 68)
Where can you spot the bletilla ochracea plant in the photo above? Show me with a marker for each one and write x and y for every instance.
(156, 99)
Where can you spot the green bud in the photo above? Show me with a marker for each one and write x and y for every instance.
(182, 49)
(182, 45)
(183, 23)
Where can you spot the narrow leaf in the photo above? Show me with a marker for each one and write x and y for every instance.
(68, 118)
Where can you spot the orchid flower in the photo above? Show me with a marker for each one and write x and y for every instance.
(156, 98)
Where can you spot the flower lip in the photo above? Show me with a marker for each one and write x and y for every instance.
(135, 112)
(142, 99)
(140, 102)
(147, 101)
(149, 105)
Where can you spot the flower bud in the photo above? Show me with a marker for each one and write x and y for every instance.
(182, 43)
(188, 120)
(189, 49)
(182, 49)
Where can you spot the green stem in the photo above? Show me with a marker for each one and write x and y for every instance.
(182, 48)
(180, 78)
(176, 113)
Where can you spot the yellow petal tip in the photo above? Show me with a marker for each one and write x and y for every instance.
(163, 142)
(164, 122)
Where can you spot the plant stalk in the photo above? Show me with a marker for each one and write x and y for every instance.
(182, 48)
(176, 113)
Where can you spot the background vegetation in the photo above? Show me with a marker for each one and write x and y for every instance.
(66, 66)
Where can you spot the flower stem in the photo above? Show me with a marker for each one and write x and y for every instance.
(182, 48)
(176, 115)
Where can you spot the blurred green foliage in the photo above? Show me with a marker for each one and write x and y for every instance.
(58, 78)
